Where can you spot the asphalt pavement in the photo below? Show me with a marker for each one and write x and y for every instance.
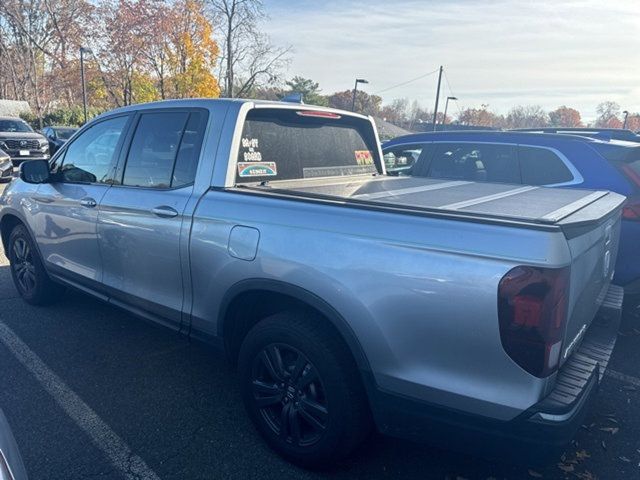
(93, 392)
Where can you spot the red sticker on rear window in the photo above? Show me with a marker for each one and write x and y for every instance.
(364, 157)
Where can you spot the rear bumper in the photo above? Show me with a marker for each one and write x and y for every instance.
(539, 432)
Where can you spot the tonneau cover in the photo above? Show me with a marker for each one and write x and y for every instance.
(495, 200)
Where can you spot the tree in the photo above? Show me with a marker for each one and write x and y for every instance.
(365, 103)
(527, 116)
(608, 113)
(309, 89)
(480, 117)
(193, 52)
(249, 60)
(565, 117)
(633, 122)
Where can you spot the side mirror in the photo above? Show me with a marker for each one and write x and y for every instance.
(35, 171)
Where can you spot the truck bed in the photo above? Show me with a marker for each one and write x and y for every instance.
(523, 204)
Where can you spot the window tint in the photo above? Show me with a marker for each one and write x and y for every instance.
(154, 149)
(400, 159)
(283, 144)
(475, 162)
(540, 166)
(91, 156)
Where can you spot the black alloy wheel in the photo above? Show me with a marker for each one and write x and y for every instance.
(290, 394)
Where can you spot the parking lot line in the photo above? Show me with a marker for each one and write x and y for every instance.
(623, 377)
(116, 450)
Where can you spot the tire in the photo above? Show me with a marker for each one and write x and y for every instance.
(317, 390)
(28, 273)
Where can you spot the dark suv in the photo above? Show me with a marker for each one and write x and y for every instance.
(20, 142)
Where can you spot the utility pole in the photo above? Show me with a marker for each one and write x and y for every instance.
(626, 114)
(435, 110)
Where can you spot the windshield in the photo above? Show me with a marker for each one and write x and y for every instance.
(64, 133)
(14, 126)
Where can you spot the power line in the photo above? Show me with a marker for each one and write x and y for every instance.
(405, 83)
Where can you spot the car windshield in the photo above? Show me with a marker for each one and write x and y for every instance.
(64, 133)
(14, 126)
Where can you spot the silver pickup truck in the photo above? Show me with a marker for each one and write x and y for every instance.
(349, 299)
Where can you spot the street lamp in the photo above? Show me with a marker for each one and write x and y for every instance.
(355, 89)
(446, 106)
(83, 51)
(624, 124)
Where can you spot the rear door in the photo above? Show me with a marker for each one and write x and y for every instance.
(66, 210)
(142, 216)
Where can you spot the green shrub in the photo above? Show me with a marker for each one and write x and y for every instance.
(72, 117)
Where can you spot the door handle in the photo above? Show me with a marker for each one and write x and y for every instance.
(164, 212)
(88, 202)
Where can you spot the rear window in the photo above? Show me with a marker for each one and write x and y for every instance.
(284, 144)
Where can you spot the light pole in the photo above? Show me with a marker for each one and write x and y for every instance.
(355, 89)
(626, 114)
(446, 107)
(84, 51)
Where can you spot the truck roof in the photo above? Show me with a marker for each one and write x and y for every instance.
(212, 103)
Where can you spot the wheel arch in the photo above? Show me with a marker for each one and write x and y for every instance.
(7, 223)
(248, 301)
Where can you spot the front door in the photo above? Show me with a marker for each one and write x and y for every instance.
(66, 210)
(142, 228)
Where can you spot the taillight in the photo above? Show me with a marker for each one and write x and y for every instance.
(631, 209)
(532, 310)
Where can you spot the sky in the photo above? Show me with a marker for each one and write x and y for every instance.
(496, 52)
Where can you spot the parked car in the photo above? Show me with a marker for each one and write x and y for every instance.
(57, 136)
(344, 295)
(11, 466)
(6, 167)
(19, 140)
(600, 133)
(534, 159)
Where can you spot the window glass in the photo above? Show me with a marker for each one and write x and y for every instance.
(154, 149)
(401, 159)
(91, 156)
(477, 162)
(184, 172)
(10, 125)
(540, 166)
(63, 133)
(283, 144)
